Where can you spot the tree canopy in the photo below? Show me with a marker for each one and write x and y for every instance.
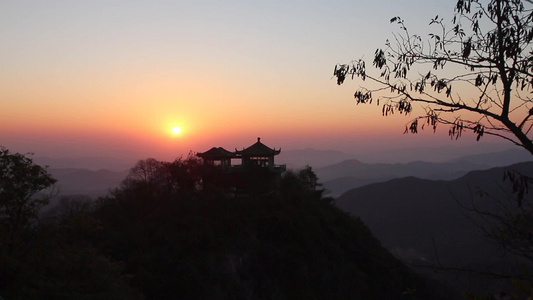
(20, 180)
(474, 73)
(166, 233)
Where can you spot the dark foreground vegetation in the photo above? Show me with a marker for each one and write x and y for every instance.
(164, 236)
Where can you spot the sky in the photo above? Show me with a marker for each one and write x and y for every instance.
(112, 78)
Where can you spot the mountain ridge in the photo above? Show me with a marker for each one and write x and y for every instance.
(340, 177)
(432, 222)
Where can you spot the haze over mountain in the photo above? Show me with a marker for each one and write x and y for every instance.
(425, 221)
(294, 158)
(348, 174)
(297, 158)
(430, 153)
(94, 163)
(86, 182)
(94, 176)
(408, 215)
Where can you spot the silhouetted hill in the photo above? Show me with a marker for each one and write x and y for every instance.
(498, 159)
(418, 218)
(353, 173)
(357, 169)
(429, 154)
(337, 186)
(172, 236)
(255, 248)
(349, 174)
(338, 171)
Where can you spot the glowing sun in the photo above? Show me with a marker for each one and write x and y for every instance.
(176, 130)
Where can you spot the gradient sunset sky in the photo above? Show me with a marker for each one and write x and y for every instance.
(114, 77)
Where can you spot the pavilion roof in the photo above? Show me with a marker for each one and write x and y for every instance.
(217, 153)
(258, 149)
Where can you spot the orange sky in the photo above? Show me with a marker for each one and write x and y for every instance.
(114, 77)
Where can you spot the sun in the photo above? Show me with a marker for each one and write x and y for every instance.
(176, 130)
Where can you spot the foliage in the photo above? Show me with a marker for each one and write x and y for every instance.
(71, 206)
(52, 258)
(480, 65)
(512, 226)
(201, 244)
(60, 264)
(168, 177)
(162, 235)
(473, 74)
(508, 223)
(304, 181)
(20, 181)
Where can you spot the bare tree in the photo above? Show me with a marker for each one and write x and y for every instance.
(474, 73)
(145, 170)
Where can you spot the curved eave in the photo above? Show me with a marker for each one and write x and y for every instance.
(217, 153)
(245, 152)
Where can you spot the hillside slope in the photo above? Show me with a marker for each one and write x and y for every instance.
(425, 221)
(255, 248)
(170, 237)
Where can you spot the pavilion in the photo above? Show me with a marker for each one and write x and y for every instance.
(217, 156)
(257, 170)
(257, 155)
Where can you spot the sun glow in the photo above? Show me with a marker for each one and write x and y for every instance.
(176, 130)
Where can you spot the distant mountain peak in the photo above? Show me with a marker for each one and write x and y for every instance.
(353, 161)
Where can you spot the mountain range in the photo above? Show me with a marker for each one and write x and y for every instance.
(79, 181)
(438, 223)
(298, 158)
(339, 172)
(420, 211)
(348, 174)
